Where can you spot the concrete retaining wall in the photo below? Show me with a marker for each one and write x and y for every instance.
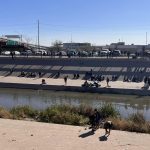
(76, 89)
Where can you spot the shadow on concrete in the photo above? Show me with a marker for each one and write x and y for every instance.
(84, 135)
(104, 137)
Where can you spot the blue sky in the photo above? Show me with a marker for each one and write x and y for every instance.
(97, 21)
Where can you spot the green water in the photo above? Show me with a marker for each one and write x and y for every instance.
(126, 104)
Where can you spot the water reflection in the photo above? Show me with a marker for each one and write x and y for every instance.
(42, 99)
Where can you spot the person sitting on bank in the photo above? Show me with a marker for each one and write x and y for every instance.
(22, 74)
(78, 76)
(95, 83)
(85, 84)
(57, 75)
(146, 86)
(43, 81)
(74, 76)
(40, 74)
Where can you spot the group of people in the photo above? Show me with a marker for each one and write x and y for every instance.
(96, 119)
(30, 74)
(76, 76)
(94, 84)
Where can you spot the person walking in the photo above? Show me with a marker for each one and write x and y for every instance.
(65, 79)
(107, 81)
(12, 55)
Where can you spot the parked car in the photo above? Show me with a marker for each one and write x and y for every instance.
(62, 53)
(16, 52)
(84, 54)
(95, 54)
(147, 53)
(41, 52)
(104, 52)
(72, 52)
(116, 53)
(134, 56)
(26, 52)
(5, 52)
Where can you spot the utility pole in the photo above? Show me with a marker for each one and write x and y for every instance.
(21, 38)
(146, 38)
(38, 35)
(71, 41)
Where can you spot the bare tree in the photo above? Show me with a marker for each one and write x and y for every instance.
(27, 40)
(57, 45)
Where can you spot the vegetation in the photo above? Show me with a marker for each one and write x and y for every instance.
(109, 111)
(72, 115)
(57, 45)
(21, 112)
(5, 114)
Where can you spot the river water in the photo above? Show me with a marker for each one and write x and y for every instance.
(126, 104)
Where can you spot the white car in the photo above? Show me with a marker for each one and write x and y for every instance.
(84, 53)
(104, 52)
(72, 52)
(41, 52)
(95, 54)
(5, 52)
(16, 52)
(62, 53)
(116, 53)
(26, 52)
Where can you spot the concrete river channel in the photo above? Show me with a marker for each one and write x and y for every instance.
(126, 104)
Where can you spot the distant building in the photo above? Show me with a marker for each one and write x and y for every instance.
(117, 44)
(3, 42)
(75, 45)
(10, 45)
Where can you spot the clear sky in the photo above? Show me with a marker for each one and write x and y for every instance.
(97, 21)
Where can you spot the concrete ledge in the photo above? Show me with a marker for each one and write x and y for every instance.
(76, 89)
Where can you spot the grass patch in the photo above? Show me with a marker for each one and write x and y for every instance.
(138, 118)
(62, 115)
(131, 124)
(21, 112)
(72, 115)
(108, 110)
(5, 113)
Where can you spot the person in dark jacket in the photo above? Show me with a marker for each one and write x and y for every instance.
(95, 120)
(97, 116)
(65, 79)
(107, 81)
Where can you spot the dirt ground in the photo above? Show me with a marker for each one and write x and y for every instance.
(27, 135)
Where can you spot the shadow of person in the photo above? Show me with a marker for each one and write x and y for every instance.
(104, 137)
(84, 135)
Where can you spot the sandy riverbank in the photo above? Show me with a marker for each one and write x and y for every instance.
(26, 135)
(78, 83)
(117, 87)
